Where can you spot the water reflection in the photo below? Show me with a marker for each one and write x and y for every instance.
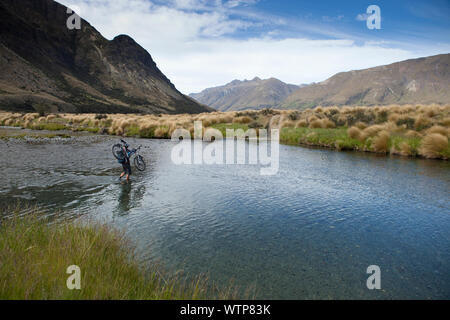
(123, 202)
(131, 194)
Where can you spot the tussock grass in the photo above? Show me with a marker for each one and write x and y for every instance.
(381, 142)
(314, 124)
(435, 145)
(242, 120)
(355, 133)
(361, 125)
(422, 122)
(439, 129)
(406, 125)
(301, 124)
(35, 254)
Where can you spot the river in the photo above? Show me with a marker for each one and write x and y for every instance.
(309, 232)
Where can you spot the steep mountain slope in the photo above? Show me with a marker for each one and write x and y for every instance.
(242, 95)
(424, 80)
(46, 66)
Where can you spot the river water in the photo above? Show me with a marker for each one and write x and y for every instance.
(309, 232)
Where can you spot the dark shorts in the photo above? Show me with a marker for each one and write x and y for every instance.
(127, 168)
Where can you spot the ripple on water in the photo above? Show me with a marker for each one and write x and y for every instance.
(309, 232)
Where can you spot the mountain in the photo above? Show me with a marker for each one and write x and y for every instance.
(424, 80)
(242, 95)
(45, 66)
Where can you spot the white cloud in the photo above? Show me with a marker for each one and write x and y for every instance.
(236, 3)
(291, 60)
(191, 43)
(332, 19)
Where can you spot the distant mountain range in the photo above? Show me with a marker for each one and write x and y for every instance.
(247, 94)
(44, 65)
(424, 80)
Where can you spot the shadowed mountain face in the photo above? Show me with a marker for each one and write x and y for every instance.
(424, 80)
(47, 67)
(243, 95)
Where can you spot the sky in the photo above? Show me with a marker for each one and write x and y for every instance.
(199, 44)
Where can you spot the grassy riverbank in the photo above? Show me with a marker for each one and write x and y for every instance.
(35, 254)
(406, 130)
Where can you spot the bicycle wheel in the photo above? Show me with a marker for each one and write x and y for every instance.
(140, 164)
(117, 151)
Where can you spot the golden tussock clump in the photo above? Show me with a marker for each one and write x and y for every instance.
(275, 121)
(301, 124)
(315, 124)
(405, 149)
(395, 108)
(394, 117)
(439, 129)
(407, 109)
(322, 123)
(328, 124)
(312, 119)
(119, 132)
(361, 125)
(226, 118)
(347, 109)
(393, 127)
(287, 124)
(208, 120)
(147, 124)
(422, 122)
(27, 124)
(331, 111)
(381, 110)
(445, 122)
(30, 116)
(371, 131)
(412, 134)
(433, 145)
(161, 132)
(354, 133)
(243, 120)
(430, 111)
(342, 120)
(381, 142)
(318, 110)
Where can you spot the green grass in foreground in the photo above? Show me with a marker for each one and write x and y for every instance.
(34, 256)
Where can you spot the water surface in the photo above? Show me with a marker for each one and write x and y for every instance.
(309, 232)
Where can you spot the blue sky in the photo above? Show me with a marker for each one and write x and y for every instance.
(205, 43)
(417, 20)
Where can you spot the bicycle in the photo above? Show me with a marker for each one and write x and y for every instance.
(119, 154)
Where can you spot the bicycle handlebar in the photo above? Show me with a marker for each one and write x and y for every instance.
(127, 145)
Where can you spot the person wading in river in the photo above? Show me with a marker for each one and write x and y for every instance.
(126, 164)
